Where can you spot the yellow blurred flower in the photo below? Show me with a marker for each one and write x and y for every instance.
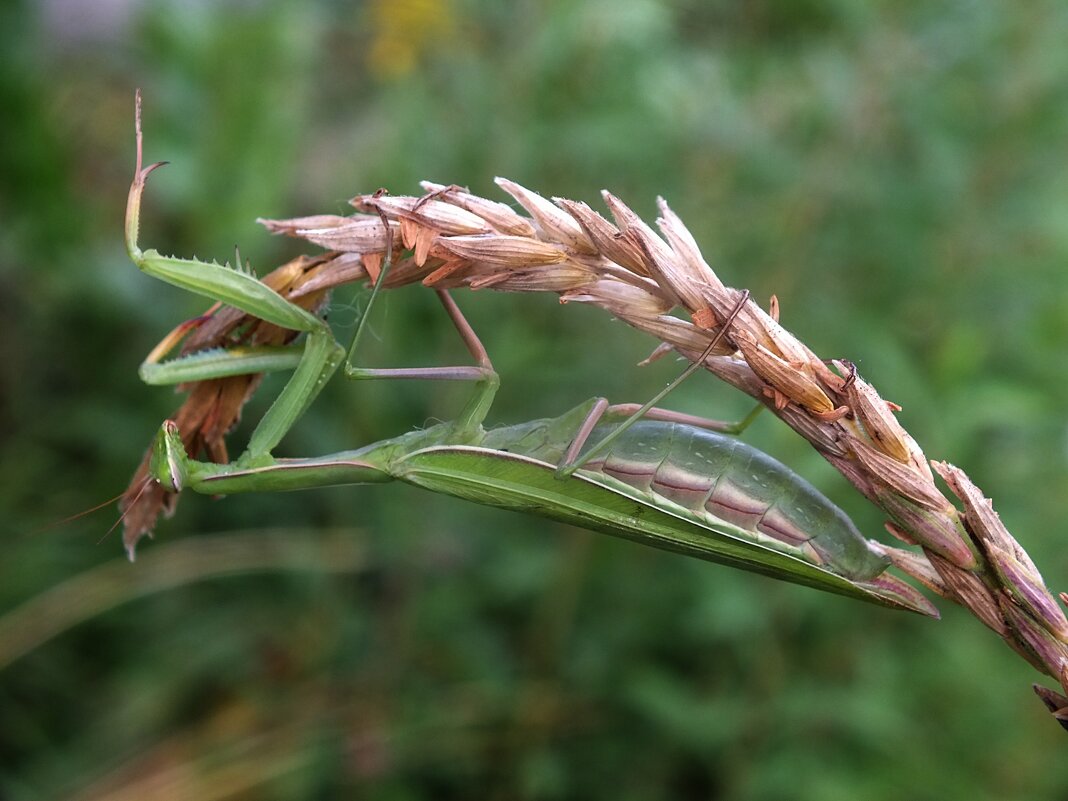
(403, 31)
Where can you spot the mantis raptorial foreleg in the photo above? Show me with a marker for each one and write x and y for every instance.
(313, 363)
(216, 362)
(321, 353)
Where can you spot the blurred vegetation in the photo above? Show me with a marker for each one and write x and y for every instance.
(895, 172)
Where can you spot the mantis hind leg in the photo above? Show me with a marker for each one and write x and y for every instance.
(629, 410)
(631, 413)
(572, 462)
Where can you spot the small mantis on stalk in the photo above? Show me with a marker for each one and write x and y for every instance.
(654, 476)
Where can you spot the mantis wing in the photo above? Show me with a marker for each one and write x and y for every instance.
(520, 483)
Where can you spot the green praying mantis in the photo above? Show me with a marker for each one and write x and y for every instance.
(654, 476)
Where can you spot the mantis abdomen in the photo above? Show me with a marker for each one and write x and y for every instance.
(720, 478)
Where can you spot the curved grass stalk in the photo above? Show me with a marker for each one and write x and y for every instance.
(102, 588)
(641, 277)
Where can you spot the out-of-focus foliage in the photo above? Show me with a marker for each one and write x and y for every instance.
(895, 172)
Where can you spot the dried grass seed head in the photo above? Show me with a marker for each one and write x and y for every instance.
(558, 278)
(294, 225)
(624, 300)
(1051, 652)
(878, 420)
(356, 234)
(437, 214)
(1012, 563)
(695, 272)
(939, 532)
(499, 216)
(605, 237)
(783, 376)
(553, 223)
(511, 252)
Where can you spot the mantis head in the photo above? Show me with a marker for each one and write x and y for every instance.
(169, 465)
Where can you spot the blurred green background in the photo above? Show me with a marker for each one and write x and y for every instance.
(895, 172)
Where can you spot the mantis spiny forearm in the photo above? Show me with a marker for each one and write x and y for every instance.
(321, 354)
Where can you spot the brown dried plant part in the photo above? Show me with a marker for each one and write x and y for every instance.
(1056, 703)
(641, 276)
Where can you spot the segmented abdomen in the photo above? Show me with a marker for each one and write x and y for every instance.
(721, 476)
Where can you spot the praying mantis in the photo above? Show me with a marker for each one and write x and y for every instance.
(658, 477)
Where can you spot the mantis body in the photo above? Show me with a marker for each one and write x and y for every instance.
(663, 481)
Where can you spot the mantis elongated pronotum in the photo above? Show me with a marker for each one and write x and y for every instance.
(666, 480)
